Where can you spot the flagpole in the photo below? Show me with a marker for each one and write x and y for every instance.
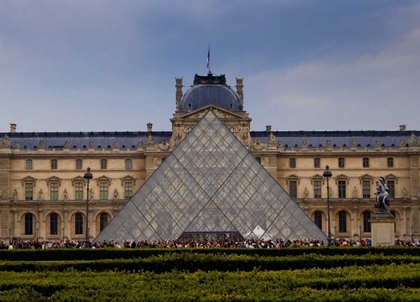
(208, 60)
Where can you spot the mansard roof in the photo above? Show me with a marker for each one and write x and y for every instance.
(128, 139)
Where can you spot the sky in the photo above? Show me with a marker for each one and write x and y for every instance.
(106, 65)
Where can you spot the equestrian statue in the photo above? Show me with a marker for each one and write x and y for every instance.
(382, 196)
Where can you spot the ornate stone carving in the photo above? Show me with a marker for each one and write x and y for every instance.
(5, 142)
(90, 144)
(305, 192)
(15, 195)
(271, 140)
(414, 140)
(353, 143)
(377, 143)
(41, 195)
(16, 146)
(66, 145)
(116, 145)
(163, 146)
(91, 194)
(257, 145)
(158, 162)
(41, 145)
(65, 194)
(280, 144)
(354, 193)
(402, 143)
(115, 193)
(304, 143)
(150, 140)
(404, 192)
(329, 143)
(140, 145)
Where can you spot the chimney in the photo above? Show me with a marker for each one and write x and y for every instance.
(12, 128)
(178, 93)
(240, 89)
(403, 127)
(268, 128)
(149, 127)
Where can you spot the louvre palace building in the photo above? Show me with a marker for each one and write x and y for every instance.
(211, 173)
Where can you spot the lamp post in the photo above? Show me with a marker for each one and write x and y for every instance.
(88, 176)
(327, 174)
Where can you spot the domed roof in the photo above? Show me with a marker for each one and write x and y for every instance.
(210, 90)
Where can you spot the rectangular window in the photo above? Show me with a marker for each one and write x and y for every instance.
(365, 162)
(103, 189)
(128, 164)
(390, 161)
(317, 189)
(78, 190)
(317, 162)
(79, 164)
(341, 162)
(104, 164)
(292, 162)
(366, 189)
(128, 189)
(54, 191)
(341, 189)
(391, 186)
(29, 191)
(293, 188)
(29, 164)
(54, 164)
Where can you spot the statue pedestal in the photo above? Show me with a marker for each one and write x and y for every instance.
(382, 229)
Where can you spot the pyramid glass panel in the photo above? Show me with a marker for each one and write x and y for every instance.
(210, 185)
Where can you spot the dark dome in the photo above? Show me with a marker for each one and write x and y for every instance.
(210, 94)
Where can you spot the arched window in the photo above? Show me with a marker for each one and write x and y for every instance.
(103, 221)
(29, 224)
(366, 222)
(79, 164)
(28, 164)
(78, 224)
(292, 162)
(103, 164)
(53, 224)
(128, 164)
(53, 164)
(318, 219)
(342, 222)
(390, 162)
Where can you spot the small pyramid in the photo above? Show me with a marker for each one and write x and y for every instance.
(210, 184)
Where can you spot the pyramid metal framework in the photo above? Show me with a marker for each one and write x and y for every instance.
(210, 184)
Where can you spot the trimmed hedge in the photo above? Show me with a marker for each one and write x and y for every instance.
(113, 253)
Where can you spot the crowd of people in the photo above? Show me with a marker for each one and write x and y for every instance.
(248, 243)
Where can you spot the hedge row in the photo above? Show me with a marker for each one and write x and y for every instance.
(191, 262)
(113, 253)
(374, 283)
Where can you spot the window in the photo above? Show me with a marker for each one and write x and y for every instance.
(292, 163)
(28, 164)
(29, 224)
(341, 189)
(317, 162)
(128, 164)
(390, 162)
(366, 222)
(79, 164)
(103, 221)
(391, 186)
(103, 164)
(342, 222)
(128, 189)
(78, 190)
(78, 224)
(293, 188)
(53, 190)
(53, 224)
(53, 164)
(29, 191)
(341, 162)
(318, 219)
(365, 162)
(366, 189)
(395, 220)
(317, 189)
(103, 190)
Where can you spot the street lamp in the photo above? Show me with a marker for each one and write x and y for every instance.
(88, 176)
(327, 174)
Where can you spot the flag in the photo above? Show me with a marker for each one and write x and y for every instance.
(208, 58)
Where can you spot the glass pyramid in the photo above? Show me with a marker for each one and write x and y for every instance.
(210, 186)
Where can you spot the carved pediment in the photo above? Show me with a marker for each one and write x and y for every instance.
(391, 177)
(128, 178)
(28, 179)
(292, 177)
(220, 112)
(103, 178)
(317, 177)
(366, 177)
(53, 179)
(342, 177)
(77, 179)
